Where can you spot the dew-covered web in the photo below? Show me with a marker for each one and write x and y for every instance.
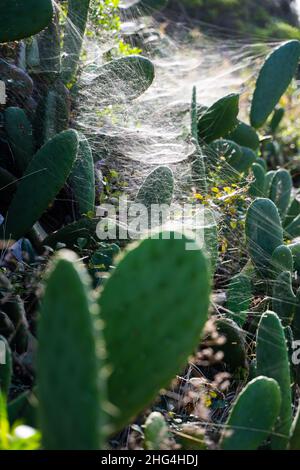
(134, 136)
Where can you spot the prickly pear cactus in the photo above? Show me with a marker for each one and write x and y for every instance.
(292, 230)
(70, 382)
(277, 117)
(68, 235)
(198, 169)
(274, 78)
(268, 181)
(194, 115)
(157, 188)
(219, 119)
(49, 54)
(273, 362)
(249, 425)
(156, 432)
(245, 162)
(245, 136)
(22, 19)
(19, 132)
(122, 79)
(257, 187)
(264, 233)
(239, 297)
(83, 179)
(292, 212)
(210, 238)
(54, 110)
(176, 298)
(280, 191)
(77, 18)
(284, 299)
(282, 260)
(5, 366)
(45, 176)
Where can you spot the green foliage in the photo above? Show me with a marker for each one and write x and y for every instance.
(44, 177)
(22, 19)
(239, 297)
(251, 419)
(273, 362)
(142, 8)
(274, 78)
(104, 15)
(23, 408)
(176, 298)
(70, 378)
(218, 120)
(264, 233)
(17, 437)
(19, 131)
(156, 432)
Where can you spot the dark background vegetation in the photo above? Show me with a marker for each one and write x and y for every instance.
(263, 18)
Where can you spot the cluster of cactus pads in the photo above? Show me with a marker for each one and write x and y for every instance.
(104, 352)
(48, 158)
(89, 342)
